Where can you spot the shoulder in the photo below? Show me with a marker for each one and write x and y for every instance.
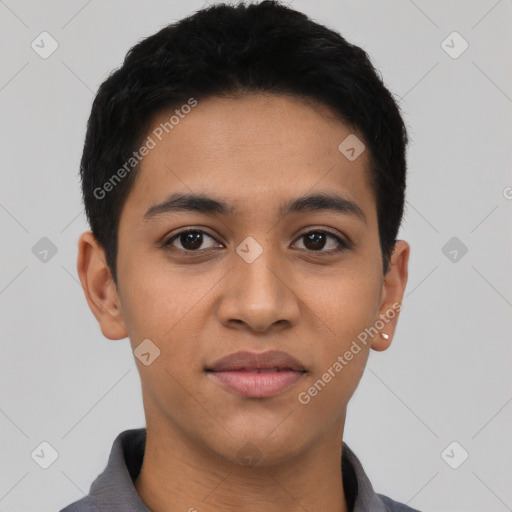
(83, 505)
(395, 506)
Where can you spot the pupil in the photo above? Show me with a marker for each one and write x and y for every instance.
(318, 240)
(194, 238)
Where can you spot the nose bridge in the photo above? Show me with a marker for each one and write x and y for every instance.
(257, 293)
(260, 279)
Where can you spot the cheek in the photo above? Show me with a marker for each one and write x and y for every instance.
(155, 308)
(341, 310)
(160, 302)
(344, 305)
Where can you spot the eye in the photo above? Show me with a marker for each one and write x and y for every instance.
(190, 240)
(316, 240)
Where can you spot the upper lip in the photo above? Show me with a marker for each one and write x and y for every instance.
(245, 360)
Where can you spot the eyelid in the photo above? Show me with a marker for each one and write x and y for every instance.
(344, 239)
(168, 239)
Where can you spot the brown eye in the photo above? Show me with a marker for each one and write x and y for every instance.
(317, 240)
(190, 240)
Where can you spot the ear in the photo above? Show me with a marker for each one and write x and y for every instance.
(392, 294)
(99, 287)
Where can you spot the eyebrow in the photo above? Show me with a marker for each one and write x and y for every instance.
(200, 203)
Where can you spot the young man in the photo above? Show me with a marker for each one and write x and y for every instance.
(244, 176)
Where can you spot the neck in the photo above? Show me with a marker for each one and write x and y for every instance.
(179, 474)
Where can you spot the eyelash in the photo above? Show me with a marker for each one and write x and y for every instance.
(167, 244)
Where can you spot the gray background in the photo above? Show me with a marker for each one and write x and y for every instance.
(447, 374)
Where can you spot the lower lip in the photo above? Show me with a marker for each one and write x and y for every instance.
(258, 385)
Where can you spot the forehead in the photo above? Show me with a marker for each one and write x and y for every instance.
(253, 149)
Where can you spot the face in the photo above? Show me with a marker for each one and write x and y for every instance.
(252, 278)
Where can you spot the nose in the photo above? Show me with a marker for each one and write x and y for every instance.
(259, 296)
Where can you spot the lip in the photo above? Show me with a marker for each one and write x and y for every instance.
(257, 375)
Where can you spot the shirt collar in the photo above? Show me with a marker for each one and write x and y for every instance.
(114, 491)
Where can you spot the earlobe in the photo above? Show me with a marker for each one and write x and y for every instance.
(99, 288)
(382, 341)
(393, 290)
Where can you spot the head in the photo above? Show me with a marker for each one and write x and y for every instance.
(250, 107)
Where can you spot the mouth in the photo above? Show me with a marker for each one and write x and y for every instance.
(257, 375)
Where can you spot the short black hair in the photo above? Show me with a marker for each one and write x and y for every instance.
(231, 49)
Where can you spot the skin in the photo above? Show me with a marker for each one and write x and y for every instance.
(253, 151)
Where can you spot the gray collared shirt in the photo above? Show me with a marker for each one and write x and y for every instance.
(114, 490)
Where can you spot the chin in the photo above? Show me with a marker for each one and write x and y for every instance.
(261, 447)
